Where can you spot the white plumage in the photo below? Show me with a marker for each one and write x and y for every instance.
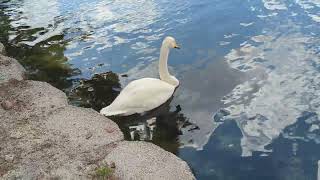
(147, 93)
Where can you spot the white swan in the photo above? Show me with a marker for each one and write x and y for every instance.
(147, 93)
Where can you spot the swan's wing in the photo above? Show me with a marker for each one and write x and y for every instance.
(140, 96)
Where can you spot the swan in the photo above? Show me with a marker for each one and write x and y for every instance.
(147, 93)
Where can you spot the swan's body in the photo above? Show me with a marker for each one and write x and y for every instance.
(147, 93)
(139, 96)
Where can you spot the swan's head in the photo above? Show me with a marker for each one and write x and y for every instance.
(170, 42)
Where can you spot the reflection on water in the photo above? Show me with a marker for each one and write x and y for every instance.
(45, 61)
(160, 126)
(143, 132)
(287, 90)
(195, 95)
(200, 97)
(97, 92)
(247, 106)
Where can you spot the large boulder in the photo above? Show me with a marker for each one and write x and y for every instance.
(84, 128)
(142, 160)
(42, 137)
(30, 98)
(23, 107)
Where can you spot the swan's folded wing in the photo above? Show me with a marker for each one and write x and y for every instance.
(142, 95)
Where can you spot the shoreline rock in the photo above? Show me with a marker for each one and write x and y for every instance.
(10, 69)
(43, 137)
(2, 49)
(147, 161)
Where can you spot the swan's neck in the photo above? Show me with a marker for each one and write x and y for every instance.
(163, 67)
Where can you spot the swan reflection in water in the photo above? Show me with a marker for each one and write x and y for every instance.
(162, 126)
(143, 132)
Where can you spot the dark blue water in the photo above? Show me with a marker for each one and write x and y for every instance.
(248, 103)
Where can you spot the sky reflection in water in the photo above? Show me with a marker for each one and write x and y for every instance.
(249, 73)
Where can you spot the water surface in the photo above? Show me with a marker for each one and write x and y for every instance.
(248, 103)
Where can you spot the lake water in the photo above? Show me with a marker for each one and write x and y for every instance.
(248, 104)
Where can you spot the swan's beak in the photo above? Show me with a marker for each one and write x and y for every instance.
(177, 46)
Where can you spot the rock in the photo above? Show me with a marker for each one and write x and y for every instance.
(2, 49)
(10, 69)
(112, 165)
(141, 160)
(88, 135)
(7, 105)
(16, 134)
(56, 144)
(74, 122)
(109, 129)
(30, 98)
(9, 158)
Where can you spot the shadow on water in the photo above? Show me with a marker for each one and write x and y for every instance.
(160, 126)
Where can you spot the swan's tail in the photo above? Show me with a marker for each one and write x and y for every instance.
(107, 111)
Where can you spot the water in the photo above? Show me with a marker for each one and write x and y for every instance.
(248, 103)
